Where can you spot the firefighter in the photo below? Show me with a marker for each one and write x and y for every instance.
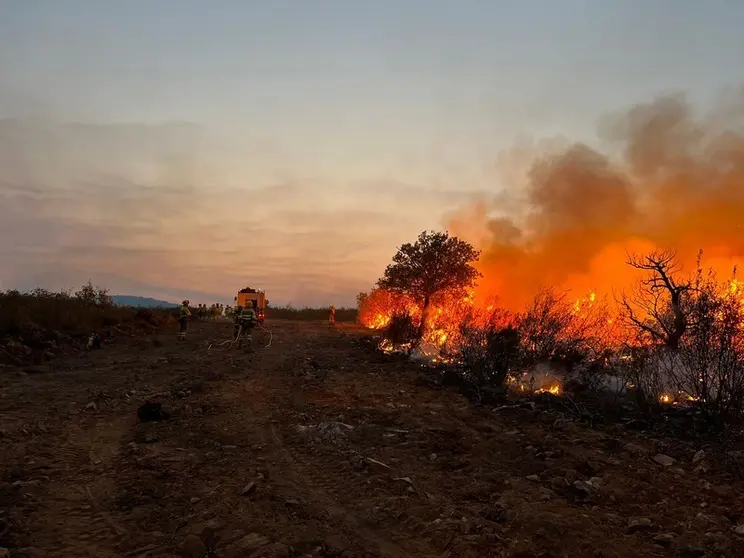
(245, 321)
(332, 315)
(183, 319)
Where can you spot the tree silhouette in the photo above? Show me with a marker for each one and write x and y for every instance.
(435, 263)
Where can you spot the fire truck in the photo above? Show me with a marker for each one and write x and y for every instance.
(256, 297)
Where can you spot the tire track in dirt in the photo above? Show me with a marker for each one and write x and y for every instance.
(264, 402)
(321, 482)
(321, 478)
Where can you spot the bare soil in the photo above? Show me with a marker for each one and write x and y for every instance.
(315, 446)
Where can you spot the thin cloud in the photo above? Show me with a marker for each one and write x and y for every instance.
(137, 208)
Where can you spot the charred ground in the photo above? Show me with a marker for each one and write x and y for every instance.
(320, 446)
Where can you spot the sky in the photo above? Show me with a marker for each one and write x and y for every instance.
(185, 148)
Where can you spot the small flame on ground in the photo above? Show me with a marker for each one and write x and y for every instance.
(555, 389)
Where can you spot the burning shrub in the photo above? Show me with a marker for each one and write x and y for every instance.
(401, 330)
(376, 308)
(690, 344)
(554, 329)
(709, 366)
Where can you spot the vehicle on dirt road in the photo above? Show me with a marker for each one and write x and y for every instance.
(257, 297)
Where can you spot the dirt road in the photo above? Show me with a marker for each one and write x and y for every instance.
(316, 447)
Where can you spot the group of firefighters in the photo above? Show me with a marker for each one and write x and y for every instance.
(204, 312)
(244, 318)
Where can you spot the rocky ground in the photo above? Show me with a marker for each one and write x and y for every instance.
(315, 446)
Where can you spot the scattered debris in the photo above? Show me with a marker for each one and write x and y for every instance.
(699, 456)
(333, 432)
(378, 463)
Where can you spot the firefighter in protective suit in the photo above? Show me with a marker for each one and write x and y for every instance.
(183, 319)
(245, 321)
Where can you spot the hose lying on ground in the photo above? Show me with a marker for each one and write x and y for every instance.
(240, 330)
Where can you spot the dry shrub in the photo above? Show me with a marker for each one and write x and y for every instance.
(61, 311)
(489, 353)
(32, 324)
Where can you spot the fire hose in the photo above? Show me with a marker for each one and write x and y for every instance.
(237, 337)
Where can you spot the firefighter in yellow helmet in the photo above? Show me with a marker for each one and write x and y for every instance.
(183, 319)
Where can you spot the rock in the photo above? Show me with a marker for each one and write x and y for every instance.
(664, 539)
(276, 550)
(247, 545)
(4, 552)
(635, 449)
(699, 456)
(738, 529)
(591, 468)
(595, 482)
(533, 478)
(570, 475)
(559, 483)
(664, 460)
(194, 500)
(249, 488)
(546, 494)
(193, 547)
(583, 487)
(639, 524)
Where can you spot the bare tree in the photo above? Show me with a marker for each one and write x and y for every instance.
(657, 307)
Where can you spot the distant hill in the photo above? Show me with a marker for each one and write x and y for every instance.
(141, 302)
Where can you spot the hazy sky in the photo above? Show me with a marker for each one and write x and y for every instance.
(176, 148)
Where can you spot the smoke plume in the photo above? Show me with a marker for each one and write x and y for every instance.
(665, 177)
